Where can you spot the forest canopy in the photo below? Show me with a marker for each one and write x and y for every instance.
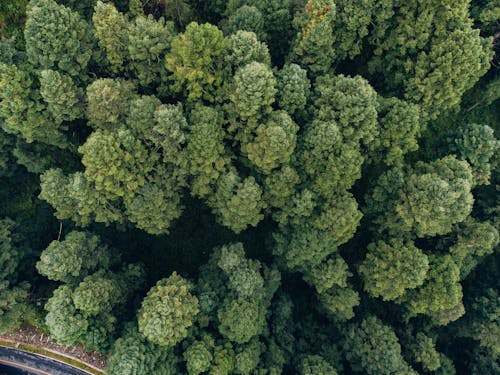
(253, 187)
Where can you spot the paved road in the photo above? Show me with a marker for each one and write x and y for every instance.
(34, 364)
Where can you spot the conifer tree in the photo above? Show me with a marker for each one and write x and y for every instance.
(57, 38)
(168, 311)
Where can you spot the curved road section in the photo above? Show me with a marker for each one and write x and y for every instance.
(33, 364)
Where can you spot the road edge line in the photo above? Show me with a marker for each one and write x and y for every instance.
(51, 354)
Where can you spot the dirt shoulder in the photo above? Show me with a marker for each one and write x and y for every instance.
(27, 338)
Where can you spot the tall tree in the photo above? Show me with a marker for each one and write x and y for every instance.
(167, 311)
(52, 40)
(195, 61)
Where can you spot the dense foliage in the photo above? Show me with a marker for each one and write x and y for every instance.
(253, 187)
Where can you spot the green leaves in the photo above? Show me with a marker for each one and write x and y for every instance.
(351, 103)
(235, 293)
(167, 311)
(315, 364)
(476, 144)
(314, 44)
(63, 321)
(373, 347)
(293, 88)
(206, 152)
(238, 202)
(273, 128)
(424, 201)
(57, 38)
(64, 99)
(198, 358)
(253, 92)
(85, 309)
(240, 320)
(440, 291)
(148, 43)
(274, 142)
(400, 126)
(110, 29)
(195, 61)
(116, 163)
(438, 68)
(74, 257)
(430, 57)
(108, 102)
(243, 47)
(392, 267)
(23, 112)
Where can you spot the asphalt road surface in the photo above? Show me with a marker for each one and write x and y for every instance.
(33, 364)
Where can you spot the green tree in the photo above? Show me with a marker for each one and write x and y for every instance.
(277, 29)
(155, 205)
(481, 321)
(475, 241)
(198, 358)
(280, 185)
(110, 29)
(486, 12)
(314, 42)
(148, 42)
(236, 300)
(246, 18)
(293, 88)
(312, 252)
(372, 347)
(170, 134)
(253, 93)
(351, 25)
(15, 307)
(302, 248)
(423, 351)
(195, 61)
(476, 144)
(247, 357)
(243, 47)
(426, 200)
(430, 57)
(437, 70)
(329, 163)
(205, 150)
(440, 292)
(22, 111)
(240, 320)
(167, 311)
(274, 142)
(64, 99)
(400, 126)
(351, 103)
(338, 216)
(108, 102)
(57, 38)
(74, 198)
(116, 163)
(79, 254)
(12, 18)
(339, 302)
(11, 252)
(66, 325)
(141, 116)
(392, 267)
(315, 364)
(237, 202)
(132, 355)
(97, 293)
